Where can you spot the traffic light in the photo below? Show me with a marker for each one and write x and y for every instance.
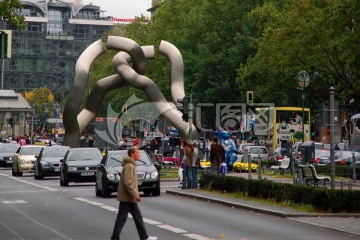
(249, 97)
(5, 43)
(153, 126)
(185, 101)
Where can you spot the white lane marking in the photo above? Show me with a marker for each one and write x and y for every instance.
(149, 221)
(152, 222)
(82, 199)
(196, 236)
(12, 231)
(95, 203)
(172, 229)
(13, 201)
(29, 183)
(111, 209)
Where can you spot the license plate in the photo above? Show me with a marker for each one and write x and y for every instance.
(56, 169)
(139, 182)
(87, 173)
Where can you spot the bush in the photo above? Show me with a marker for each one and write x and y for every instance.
(321, 199)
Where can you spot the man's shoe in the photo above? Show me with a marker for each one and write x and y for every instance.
(151, 238)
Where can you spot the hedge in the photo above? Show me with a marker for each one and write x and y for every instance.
(322, 199)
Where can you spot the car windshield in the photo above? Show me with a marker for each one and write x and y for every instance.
(84, 155)
(347, 154)
(115, 159)
(8, 148)
(319, 146)
(322, 153)
(31, 151)
(54, 152)
(258, 150)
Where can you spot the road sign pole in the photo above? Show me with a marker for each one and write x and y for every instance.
(32, 127)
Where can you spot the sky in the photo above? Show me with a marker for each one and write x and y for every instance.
(123, 8)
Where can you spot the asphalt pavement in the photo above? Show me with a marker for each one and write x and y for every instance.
(346, 222)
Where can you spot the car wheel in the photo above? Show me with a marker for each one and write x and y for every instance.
(18, 171)
(65, 181)
(36, 173)
(97, 191)
(156, 190)
(61, 182)
(40, 176)
(105, 190)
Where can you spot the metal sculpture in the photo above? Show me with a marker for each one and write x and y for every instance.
(75, 121)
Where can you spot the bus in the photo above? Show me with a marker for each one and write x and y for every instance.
(282, 123)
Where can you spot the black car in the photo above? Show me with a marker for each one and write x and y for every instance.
(47, 163)
(79, 165)
(108, 174)
(7, 151)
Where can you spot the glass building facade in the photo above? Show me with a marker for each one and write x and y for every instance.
(45, 54)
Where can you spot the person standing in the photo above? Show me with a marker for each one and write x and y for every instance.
(128, 196)
(195, 165)
(186, 163)
(153, 145)
(217, 156)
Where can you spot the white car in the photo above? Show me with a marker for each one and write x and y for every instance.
(24, 159)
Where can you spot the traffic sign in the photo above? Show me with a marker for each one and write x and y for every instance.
(251, 122)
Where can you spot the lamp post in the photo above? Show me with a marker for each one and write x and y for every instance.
(303, 82)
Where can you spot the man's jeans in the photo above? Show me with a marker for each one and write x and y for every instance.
(194, 177)
(124, 209)
(186, 176)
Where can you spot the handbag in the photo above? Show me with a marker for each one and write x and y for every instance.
(184, 158)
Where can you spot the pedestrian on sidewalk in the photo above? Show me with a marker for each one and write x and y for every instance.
(186, 156)
(217, 156)
(195, 165)
(128, 196)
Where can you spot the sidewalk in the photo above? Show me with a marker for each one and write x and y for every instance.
(347, 222)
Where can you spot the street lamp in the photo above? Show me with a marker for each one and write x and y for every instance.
(303, 82)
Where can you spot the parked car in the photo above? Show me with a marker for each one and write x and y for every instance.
(243, 147)
(322, 157)
(24, 159)
(79, 165)
(345, 157)
(258, 152)
(7, 151)
(44, 142)
(47, 163)
(108, 174)
(319, 145)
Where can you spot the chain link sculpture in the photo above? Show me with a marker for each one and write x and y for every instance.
(75, 121)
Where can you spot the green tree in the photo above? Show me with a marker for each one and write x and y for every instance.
(320, 37)
(9, 12)
(38, 98)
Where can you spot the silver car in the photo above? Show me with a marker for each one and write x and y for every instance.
(257, 153)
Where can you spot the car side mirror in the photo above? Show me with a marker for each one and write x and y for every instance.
(62, 160)
(36, 156)
(158, 166)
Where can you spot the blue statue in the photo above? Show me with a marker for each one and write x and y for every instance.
(231, 152)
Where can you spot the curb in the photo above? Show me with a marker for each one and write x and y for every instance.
(258, 209)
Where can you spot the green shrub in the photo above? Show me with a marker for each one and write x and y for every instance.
(321, 199)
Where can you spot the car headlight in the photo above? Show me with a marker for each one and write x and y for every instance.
(110, 176)
(10, 158)
(45, 164)
(117, 176)
(22, 161)
(147, 176)
(72, 169)
(154, 174)
(2, 158)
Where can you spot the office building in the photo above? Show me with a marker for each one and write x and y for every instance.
(45, 54)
